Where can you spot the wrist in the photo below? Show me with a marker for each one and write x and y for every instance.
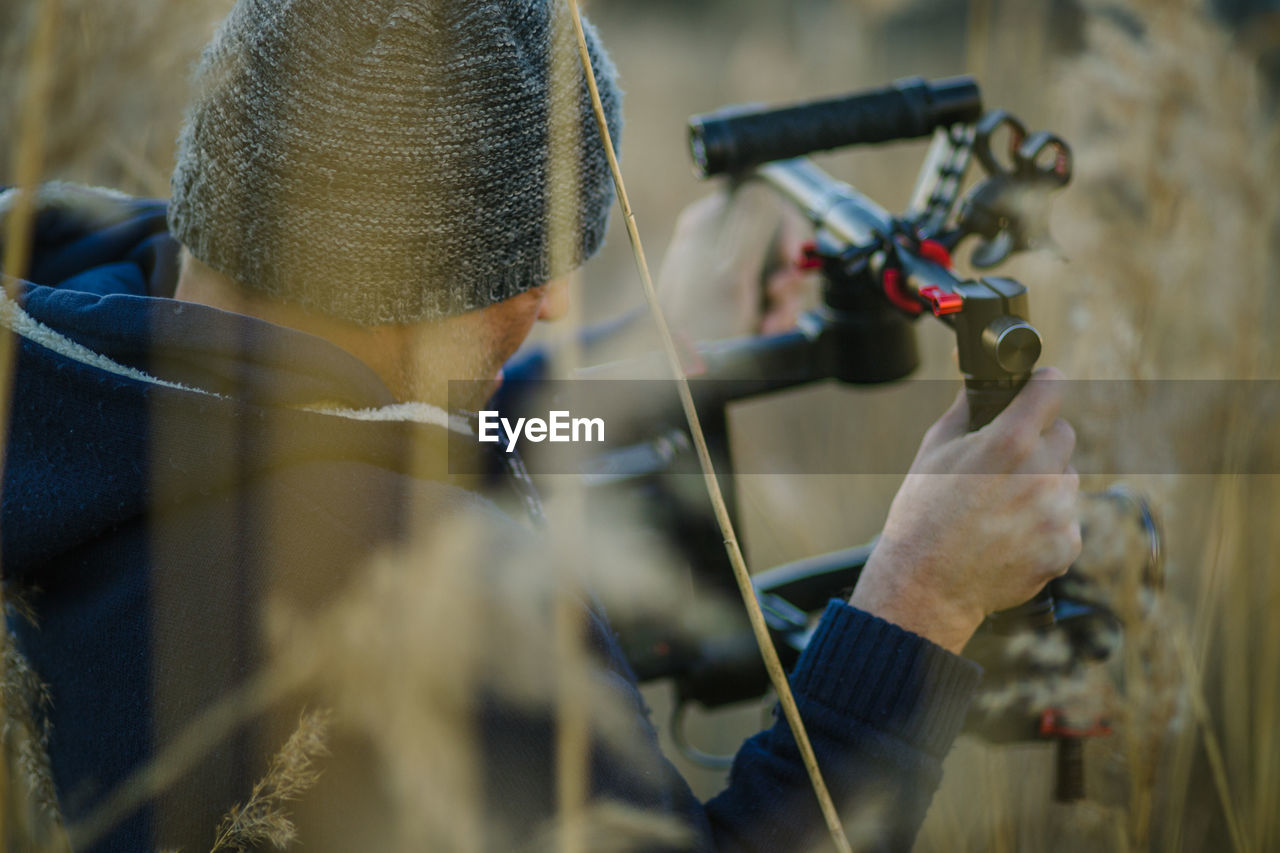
(890, 592)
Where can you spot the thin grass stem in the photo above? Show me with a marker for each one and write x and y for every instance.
(777, 675)
(1213, 749)
(28, 165)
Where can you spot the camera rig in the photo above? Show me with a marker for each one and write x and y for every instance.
(880, 273)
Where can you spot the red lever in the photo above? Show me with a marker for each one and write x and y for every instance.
(942, 301)
(809, 258)
(932, 250)
(897, 292)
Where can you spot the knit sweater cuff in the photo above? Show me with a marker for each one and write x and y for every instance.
(863, 667)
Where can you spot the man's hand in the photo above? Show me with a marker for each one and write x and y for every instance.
(982, 522)
(730, 269)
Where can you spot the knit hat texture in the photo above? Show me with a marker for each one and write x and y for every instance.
(389, 161)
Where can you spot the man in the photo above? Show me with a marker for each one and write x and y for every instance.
(368, 210)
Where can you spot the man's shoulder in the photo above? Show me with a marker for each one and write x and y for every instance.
(80, 208)
(96, 239)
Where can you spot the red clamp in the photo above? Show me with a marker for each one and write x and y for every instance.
(941, 301)
(809, 258)
(1053, 726)
(932, 250)
(898, 293)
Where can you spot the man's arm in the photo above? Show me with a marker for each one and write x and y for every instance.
(881, 707)
(981, 523)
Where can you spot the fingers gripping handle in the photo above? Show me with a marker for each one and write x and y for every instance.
(987, 398)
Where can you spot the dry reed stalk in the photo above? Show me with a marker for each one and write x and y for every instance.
(1267, 778)
(777, 676)
(264, 818)
(35, 820)
(205, 731)
(27, 169)
(1237, 700)
(573, 723)
(573, 738)
(1220, 565)
(572, 693)
(1212, 747)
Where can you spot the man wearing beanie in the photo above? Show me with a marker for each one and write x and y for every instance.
(230, 415)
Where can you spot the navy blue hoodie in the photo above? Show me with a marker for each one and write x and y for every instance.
(169, 465)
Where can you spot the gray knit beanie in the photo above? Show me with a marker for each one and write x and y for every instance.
(387, 161)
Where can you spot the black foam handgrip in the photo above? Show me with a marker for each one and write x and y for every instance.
(738, 138)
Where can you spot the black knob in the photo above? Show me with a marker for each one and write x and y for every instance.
(1013, 343)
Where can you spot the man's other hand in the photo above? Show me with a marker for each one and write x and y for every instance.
(730, 269)
(983, 520)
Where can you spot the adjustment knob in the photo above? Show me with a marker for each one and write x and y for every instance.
(1013, 343)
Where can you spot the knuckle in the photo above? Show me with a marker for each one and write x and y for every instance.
(1054, 566)
(1017, 442)
(1075, 540)
(931, 434)
(1042, 493)
(1067, 549)
(1067, 432)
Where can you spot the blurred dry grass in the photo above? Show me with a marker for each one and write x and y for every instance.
(1170, 231)
(120, 85)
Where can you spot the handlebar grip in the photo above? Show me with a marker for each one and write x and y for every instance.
(735, 139)
(986, 400)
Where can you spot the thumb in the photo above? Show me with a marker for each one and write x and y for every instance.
(953, 424)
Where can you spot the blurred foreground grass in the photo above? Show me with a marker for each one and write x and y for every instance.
(1169, 263)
